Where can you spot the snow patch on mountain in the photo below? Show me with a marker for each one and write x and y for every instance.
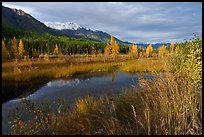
(64, 25)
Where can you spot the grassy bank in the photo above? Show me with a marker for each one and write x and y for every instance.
(64, 71)
(164, 106)
(143, 65)
(32, 70)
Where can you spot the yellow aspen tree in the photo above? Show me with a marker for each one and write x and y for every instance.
(56, 51)
(116, 49)
(4, 51)
(172, 48)
(162, 51)
(130, 52)
(21, 49)
(112, 48)
(107, 50)
(46, 57)
(149, 50)
(112, 40)
(15, 50)
(100, 53)
(133, 51)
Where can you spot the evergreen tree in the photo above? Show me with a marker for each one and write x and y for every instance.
(4, 51)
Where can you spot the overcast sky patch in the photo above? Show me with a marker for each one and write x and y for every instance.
(148, 22)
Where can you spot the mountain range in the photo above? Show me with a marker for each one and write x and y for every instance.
(63, 25)
(19, 20)
(155, 46)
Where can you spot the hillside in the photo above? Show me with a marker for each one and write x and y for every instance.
(13, 19)
(19, 20)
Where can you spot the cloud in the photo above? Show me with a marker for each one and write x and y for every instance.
(29, 10)
(128, 21)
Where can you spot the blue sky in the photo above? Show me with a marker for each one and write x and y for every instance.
(138, 22)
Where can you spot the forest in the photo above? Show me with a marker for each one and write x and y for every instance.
(169, 104)
(35, 44)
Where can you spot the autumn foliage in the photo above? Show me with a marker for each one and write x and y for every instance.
(21, 50)
(112, 48)
(133, 51)
(162, 51)
(149, 50)
(56, 50)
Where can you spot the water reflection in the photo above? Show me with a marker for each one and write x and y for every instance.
(60, 83)
(113, 75)
(20, 89)
(96, 85)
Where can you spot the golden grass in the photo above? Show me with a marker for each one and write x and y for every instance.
(143, 65)
(170, 104)
(31, 70)
(57, 72)
(163, 106)
(28, 71)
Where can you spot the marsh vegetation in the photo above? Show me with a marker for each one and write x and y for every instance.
(169, 104)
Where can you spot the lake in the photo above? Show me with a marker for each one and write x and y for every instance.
(96, 85)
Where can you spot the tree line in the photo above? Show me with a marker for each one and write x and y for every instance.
(31, 44)
(36, 44)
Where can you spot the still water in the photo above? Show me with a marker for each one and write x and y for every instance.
(96, 85)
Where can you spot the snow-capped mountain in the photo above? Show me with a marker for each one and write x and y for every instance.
(72, 29)
(19, 20)
(63, 25)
